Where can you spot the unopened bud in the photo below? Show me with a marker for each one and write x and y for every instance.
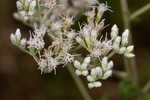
(114, 31)
(125, 36)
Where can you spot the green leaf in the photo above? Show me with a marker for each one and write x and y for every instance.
(128, 90)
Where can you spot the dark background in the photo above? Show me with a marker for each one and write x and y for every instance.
(20, 79)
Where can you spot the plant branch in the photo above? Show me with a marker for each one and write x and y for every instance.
(140, 11)
(129, 64)
(120, 74)
(21, 20)
(79, 83)
(146, 88)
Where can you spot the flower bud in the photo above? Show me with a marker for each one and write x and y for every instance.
(122, 50)
(107, 74)
(13, 39)
(18, 34)
(97, 84)
(23, 42)
(77, 64)
(104, 62)
(130, 48)
(90, 78)
(125, 36)
(32, 4)
(116, 44)
(19, 5)
(114, 31)
(96, 71)
(78, 72)
(85, 73)
(90, 85)
(110, 65)
(87, 60)
(84, 66)
(129, 55)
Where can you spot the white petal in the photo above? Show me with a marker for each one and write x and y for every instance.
(85, 73)
(90, 85)
(18, 34)
(122, 50)
(110, 65)
(114, 31)
(125, 37)
(130, 48)
(87, 60)
(13, 38)
(77, 64)
(116, 44)
(84, 66)
(97, 84)
(129, 55)
(90, 78)
(107, 74)
(23, 42)
(104, 62)
(78, 72)
(19, 5)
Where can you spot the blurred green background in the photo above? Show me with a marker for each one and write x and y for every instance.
(20, 79)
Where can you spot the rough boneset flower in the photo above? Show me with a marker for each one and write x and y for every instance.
(56, 42)
(36, 42)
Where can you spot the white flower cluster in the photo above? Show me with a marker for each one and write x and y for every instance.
(29, 10)
(82, 69)
(120, 44)
(100, 47)
(100, 72)
(15, 38)
(65, 42)
(36, 40)
(26, 8)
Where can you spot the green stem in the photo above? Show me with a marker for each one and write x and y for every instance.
(129, 64)
(21, 20)
(120, 75)
(79, 83)
(146, 88)
(140, 11)
(38, 11)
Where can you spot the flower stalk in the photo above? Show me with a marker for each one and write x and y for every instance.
(79, 83)
(130, 64)
(140, 11)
